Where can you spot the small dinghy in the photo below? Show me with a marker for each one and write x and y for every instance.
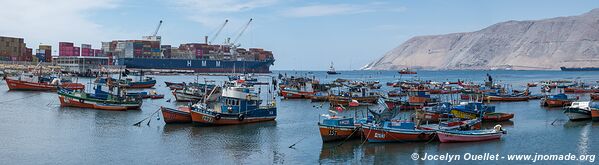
(447, 136)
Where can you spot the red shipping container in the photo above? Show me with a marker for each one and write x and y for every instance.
(76, 51)
(65, 44)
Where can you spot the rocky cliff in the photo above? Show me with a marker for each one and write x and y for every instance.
(541, 44)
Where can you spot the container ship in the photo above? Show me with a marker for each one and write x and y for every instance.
(580, 69)
(228, 57)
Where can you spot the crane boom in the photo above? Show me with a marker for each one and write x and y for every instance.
(242, 30)
(157, 28)
(218, 31)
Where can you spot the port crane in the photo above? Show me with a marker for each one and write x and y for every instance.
(157, 28)
(218, 31)
(241, 32)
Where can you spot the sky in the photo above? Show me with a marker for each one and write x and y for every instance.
(303, 35)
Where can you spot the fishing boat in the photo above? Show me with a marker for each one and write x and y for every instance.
(446, 136)
(471, 110)
(395, 93)
(29, 81)
(406, 71)
(147, 82)
(175, 86)
(578, 111)
(179, 115)
(506, 98)
(396, 131)
(358, 93)
(319, 97)
(196, 93)
(76, 98)
(434, 113)
(581, 90)
(238, 105)
(332, 70)
(299, 90)
(333, 128)
(154, 95)
(497, 116)
(559, 100)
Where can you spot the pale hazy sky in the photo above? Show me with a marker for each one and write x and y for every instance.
(304, 35)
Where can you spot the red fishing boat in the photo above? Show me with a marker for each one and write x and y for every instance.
(559, 100)
(333, 128)
(35, 83)
(580, 90)
(179, 115)
(396, 132)
(497, 116)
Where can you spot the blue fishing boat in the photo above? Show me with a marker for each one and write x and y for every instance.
(238, 105)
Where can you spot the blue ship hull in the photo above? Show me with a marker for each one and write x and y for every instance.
(198, 65)
(580, 69)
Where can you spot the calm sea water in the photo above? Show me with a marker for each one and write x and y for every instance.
(34, 129)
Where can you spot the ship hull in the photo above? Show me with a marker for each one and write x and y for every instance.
(580, 69)
(198, 65)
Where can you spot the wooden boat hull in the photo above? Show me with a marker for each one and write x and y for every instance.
(338, 100)
(498, 116)
(183, 97)
(595, 115)
(179, 115)
(295, 94)
(336, 133)
(576, 115)
(378, 135)
(319, 98)
(156, 96)
(447, 137)
(556, 103)
(203, 117)
(24, 85)
(499, 98)
(139, 86)
(81, 103)
(580, 90)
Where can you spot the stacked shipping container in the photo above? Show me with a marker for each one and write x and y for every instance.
(65, 49)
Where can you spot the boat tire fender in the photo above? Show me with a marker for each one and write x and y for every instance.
(81, 101)
(240, 117)
(217, 116)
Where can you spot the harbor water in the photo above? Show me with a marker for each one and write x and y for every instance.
(34, 129)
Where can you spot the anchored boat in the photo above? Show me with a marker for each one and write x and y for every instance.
(238, 105)
(446, 136)
(578, 111)
(179, 115)
(76, 98)
(39, 83)
(402, 131)
(559, 100)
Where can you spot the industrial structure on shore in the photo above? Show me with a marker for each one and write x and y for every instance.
(147, 53)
